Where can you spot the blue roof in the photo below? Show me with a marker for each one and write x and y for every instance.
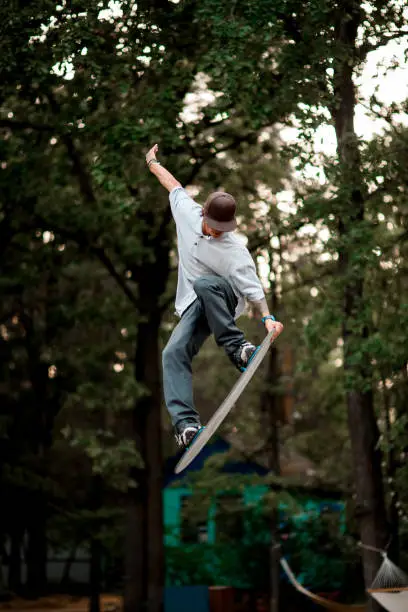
(218, 446)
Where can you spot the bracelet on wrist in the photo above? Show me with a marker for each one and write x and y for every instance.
(269, 316)
(153, 161)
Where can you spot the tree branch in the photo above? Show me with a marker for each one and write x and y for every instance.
(78, 165)
(107, 262)
(85, 243)
(88, 195)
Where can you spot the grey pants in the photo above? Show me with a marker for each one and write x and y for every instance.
(212, 312)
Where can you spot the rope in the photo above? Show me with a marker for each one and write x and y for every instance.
(325, 603)
(374, 549)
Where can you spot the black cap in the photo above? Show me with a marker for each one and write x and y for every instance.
(219, 211)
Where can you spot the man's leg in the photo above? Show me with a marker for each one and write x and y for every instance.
(219, 303)
(184, 344)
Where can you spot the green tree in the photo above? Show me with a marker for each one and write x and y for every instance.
(303, 60)
(82, 142)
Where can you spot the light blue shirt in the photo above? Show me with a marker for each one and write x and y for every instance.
(200, 255)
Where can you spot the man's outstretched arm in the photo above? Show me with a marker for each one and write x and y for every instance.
(249, 285)
(168, 181)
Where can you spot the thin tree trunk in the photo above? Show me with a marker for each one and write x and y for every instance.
(393, 516)
(364, 434)
(144, 541)
(14, 566)
(36, 556)
(271, 415)
(135, 590)
(42, 425)
(145, 534)
(95, 578)
(155, 528)
(272, 406)
(150, 428)
(66, 572)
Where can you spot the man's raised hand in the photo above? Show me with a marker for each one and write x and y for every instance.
(165, 177)
(151, 155)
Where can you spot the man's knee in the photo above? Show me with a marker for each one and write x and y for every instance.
(204, 283)
(173, 353)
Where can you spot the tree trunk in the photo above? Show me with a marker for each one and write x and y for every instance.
(135, 591)
(393, 517)
(271, 419)
(144, 541)
(66, 572)
(145, 533)
(14, 565)
(40, 442)
(36, 556)
(370, 506)
(154, 462)
(95, 578)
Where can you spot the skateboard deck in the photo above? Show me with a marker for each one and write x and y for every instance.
(206, 432)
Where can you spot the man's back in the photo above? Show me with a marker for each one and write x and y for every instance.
(200, 255)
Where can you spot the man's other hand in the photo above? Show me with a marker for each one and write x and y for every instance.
(274, 326)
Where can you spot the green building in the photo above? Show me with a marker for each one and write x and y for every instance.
(223, 538)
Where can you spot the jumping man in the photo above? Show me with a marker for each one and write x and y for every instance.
(216, 276)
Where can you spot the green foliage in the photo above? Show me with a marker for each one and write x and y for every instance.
(320, 552)
(108, 456)
(242, 566)
(81, 220)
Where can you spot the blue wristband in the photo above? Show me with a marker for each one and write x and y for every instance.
(268, 317)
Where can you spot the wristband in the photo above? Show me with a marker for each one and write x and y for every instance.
(153, 161)
(268, 317)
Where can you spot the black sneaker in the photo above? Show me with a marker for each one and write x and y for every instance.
(187, 435)
(243, 355)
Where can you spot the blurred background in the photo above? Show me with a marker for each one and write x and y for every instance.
(298, 110)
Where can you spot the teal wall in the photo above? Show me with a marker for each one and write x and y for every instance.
(172, 500)
(205, 559)
(172, 513)
(252, 495)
